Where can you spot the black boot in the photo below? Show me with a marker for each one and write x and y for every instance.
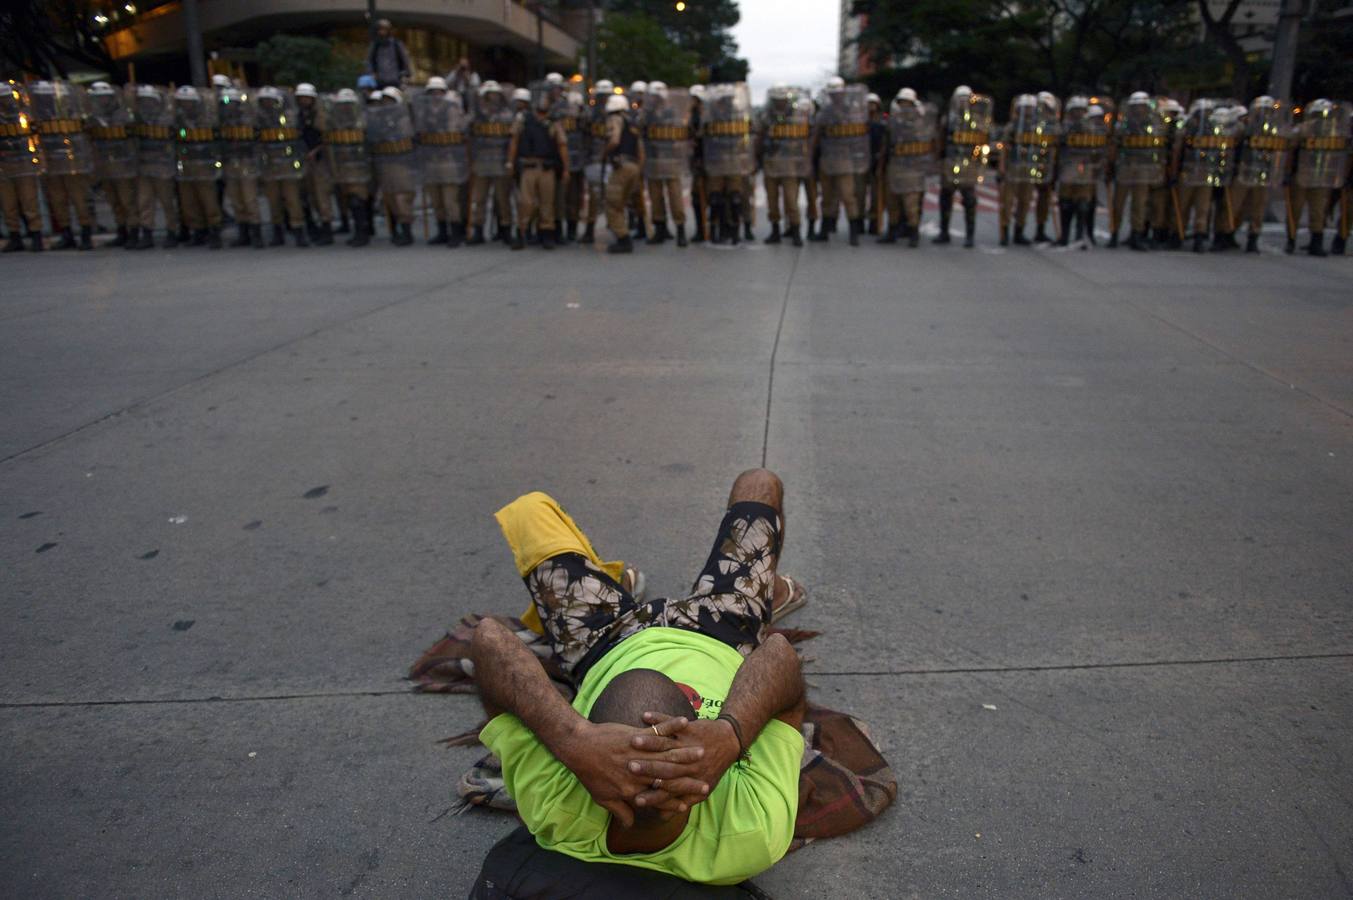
(681, 235)
(241, 236)
(747, 230)
(401, 234)
(1137, 241)
(361, 229)
(519, 241)
(589, 234)
(735, 225)
(793, 234)
(457, 235)
(279, 236)
(547, 241)
(67, 241)
(301, 239)
(1068, 210)
(186, 235)
(1085, 230)
(969, 225)
(1317, 245)
(818, 236)
(1337, 245)
(171, 239)
(1089, 218)
(213, 238)
(623, 244)
(889, 235)
(133, 239)
(943, 237)
(1113, 240)
(1199, 243)
(716, 219)
(659, 235)
(774, 236)
(14, 244)
(914, 235)
(812, 230)
(121, 239)
(1005, 236)
(476, 237)
(855, 226)
(571, 231)
(1041, 234)
(1291, 246)
(1252, 243)
(441, 237)
(324, 237)
(1020, 240)
(35, 241)
(504, 235)
(1219, 244)
(86, 237)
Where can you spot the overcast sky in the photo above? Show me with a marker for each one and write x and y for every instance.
(793, 41)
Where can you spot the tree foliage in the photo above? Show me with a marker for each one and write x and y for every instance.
(703, 28)
(290, 59)
(634, 48)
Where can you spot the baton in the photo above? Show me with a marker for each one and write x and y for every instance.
(1055, 204)
(704, 208)
(1291, 217)
(878, 201)
(423, 202)
(1230, 216)
(1343, 212)
(1178, 219)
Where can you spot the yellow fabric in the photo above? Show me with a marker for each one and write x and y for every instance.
(536, 528)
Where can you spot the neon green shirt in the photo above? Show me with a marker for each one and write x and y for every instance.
(744, 826)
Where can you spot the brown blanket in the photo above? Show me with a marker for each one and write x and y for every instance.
(844, 781)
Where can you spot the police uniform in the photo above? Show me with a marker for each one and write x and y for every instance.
(59, 111)
(625, 157)
(20, 169)
(539, 151)
(784, 151)
(199, 165)
(1322, 167)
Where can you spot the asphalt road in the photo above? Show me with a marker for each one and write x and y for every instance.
(1078, 529)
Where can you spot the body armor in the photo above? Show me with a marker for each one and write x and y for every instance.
(667, 134)
(114, 136)
(786, 137)
(1323, 147)
(1084, 149)
(1142, 141)
(911, 158)
(727, 128)
(1209, 135)
(440, 126)
(59, 110)
(1031, 148)
(843, 131)
(492, 131)
(199, 157)
(156, 150)
(279, 137)
(343, 125)
(237, 129)
(1263, 151)
(389, 139)
(20, 153)
(967, 127)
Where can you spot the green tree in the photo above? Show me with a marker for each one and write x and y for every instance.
(290, 59)
(702, 27)
(634, 47)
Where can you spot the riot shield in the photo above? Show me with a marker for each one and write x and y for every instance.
(440, 126)
(237, 130)
(199, 156)
(727, 128)
(1142, 138)
(667, 134)
(967, 140)
(570, 113)
(59, 110)
(1032, 144)
(1322, 157)
(1209, 136)
(843, 131)
(1083, 150)
(786, 136)
(1268, 137)
(20, 153)
(389, 138)
(594, 169)
(911, 157)
(344, 128)
(111, 130)
(490, 135)
(156, 151)
(279, 135)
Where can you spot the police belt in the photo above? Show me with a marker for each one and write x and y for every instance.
(441, 138)
(1033, 139)
(850, 129)
(345, 136)
(796, 130)
(196, 135)
(1209, 142)
(620, 159)
(913, 148)
(59, 126)
(277, 135)
(19, 129)
(728, 129)
(667, 133)
(968, 137)
(1142, 141)
(492, 129)
(153, 132)
(598, 129)
(390, 148)
(569, 123)
(536, 162)
(109, 132)
(1087, 141)
(1333, 142)
(238, 133)
(1268, 142)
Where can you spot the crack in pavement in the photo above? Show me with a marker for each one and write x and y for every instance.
(774, 351)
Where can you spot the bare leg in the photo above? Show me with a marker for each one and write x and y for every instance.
(764, 486)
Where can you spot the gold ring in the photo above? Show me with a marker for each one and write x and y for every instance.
(655, 730)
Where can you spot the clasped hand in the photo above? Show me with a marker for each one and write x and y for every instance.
(670, 766)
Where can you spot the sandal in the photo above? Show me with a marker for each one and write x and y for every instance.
(798, 598)
(633, 581)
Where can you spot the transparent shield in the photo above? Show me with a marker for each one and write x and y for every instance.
(667, 134)
(911, 152)
(1323, 148)
(843, 131)
(786, 136)
(727, 127)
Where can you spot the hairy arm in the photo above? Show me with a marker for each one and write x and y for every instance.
(511, 680)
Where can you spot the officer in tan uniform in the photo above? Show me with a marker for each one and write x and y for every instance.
(199, 165)
(783, 149)
(1322, 161)
(20, 168)
(59, 113)
(490, 177)
(538, 154)
(625, 162)
(110, 128)
(283, 163)
(595, 167)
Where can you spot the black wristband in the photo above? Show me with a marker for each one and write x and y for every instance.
(737, 733)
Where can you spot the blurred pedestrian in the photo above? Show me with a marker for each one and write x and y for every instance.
(387, 59)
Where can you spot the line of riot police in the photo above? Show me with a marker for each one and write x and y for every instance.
(547, 159)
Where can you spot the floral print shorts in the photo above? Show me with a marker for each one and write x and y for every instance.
(585, 612)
